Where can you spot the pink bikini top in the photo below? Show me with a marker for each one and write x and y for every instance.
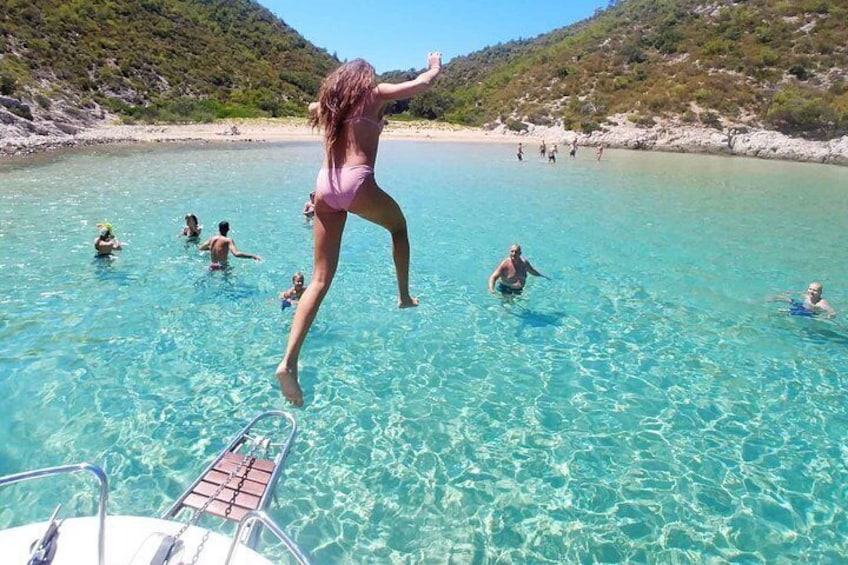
(367, 120)
(358, 117)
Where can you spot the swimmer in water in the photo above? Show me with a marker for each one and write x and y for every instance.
(511, 274)
(812, 304)
(220, 247)
(192, 228)
(291, 296)
(309, 208)
(106, 242)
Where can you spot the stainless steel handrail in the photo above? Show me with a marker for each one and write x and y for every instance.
(262, 517)
(101, 507)
(174, 509)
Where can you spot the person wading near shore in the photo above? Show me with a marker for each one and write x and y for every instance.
(309, 208)
(350, 111)
(220, 247)
(106, 242)
(511, 274)
(192, 228)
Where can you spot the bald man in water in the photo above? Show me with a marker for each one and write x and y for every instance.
(813, 302)
(511, 273)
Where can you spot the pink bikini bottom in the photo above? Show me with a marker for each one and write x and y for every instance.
(338, 187)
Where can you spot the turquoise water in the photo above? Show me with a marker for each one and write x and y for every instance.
(645, 405)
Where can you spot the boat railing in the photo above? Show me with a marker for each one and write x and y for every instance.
(66, 469)
(246, 523)
(240, 439)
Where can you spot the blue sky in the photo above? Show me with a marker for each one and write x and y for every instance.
(399, 34)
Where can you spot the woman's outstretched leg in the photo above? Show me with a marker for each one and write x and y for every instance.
(400, 255)
(376, 206)
(327, 231)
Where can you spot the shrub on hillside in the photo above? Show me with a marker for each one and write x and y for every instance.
(539, 120)
(633, 53)
(621, 83)
(562, 72)
(795, 112)
(711, 120)
(8, 85)
(430, 105)
(17, 107)
(587, 126)
(667, 40)
(642, 121)
(798, 71)
(516, 125)
(768, 58)
(717, 46)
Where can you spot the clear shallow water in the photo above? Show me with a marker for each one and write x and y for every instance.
(645, 405)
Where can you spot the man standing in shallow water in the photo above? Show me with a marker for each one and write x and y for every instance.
(106, 242)
(220, 247)
(511, 273)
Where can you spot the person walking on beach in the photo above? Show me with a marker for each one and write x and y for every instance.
(106, 242)
(511, 274)
(599, 152)
(350, 111)
(573, 151)
(543, 149)
(552, 154)
(220, 247)
(520, 152)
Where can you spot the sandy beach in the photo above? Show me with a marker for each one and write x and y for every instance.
(284, 129)
(619, 133)
(230, 131)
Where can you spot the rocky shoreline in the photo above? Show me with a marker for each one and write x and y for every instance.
(618, 134)
(682, 138)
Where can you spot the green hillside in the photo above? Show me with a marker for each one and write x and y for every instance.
(776, 64)
(779, 64)
(195, 59)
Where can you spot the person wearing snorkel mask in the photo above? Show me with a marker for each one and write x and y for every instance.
(106, 242)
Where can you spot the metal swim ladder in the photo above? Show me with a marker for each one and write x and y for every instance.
(238, 481)
(248, 471)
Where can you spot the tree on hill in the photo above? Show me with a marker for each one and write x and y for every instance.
(160, 59)
(761, 62)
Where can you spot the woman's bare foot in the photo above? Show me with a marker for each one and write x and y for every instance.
(408, 302)
(287, 377)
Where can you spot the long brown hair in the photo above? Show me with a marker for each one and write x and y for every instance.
(342, 91)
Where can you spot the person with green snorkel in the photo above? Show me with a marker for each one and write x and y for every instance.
(106, 242)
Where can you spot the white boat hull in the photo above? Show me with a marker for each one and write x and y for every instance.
(130, 540)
